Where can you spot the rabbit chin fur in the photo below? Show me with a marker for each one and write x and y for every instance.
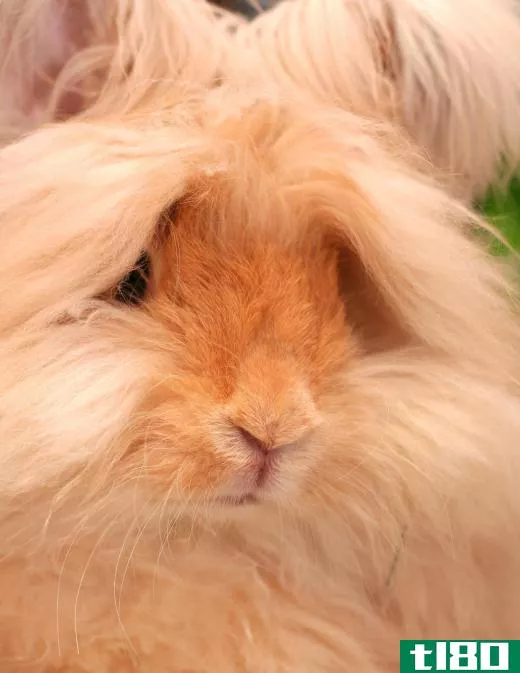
(308, 286)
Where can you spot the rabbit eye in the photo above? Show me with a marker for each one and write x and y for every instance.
(131, 290)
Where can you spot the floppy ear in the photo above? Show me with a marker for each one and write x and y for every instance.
(59, 58)
(449, 72)
(78, 203)
(456, 72)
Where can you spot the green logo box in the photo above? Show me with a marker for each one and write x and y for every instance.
(446, 656)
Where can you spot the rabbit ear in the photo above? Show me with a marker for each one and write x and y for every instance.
(449, 72)
(60, 58)
(36, 41)
(88, 204)
(456, 72)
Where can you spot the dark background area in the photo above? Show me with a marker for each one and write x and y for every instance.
(243, 6)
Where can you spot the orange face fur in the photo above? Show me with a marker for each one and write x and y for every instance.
(253, 335)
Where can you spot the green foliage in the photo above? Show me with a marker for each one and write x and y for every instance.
(502, 209)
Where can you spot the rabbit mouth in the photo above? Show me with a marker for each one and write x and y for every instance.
(238, 500)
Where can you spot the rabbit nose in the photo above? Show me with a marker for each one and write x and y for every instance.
(267, 420)
(263, 456)
(253, 442)
(272, 405)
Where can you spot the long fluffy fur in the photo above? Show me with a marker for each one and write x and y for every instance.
(420, 454)
(61, 59)
(401, 515)
(447, 71)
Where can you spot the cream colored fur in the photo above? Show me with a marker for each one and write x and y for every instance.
(398, 517)
(58, 59)
(448, 71)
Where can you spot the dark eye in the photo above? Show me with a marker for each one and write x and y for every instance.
(132, 288)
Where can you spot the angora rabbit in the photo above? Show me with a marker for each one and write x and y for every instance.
(259, 395)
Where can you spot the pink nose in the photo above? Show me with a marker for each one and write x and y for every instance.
(254, 443)
(266, 456)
